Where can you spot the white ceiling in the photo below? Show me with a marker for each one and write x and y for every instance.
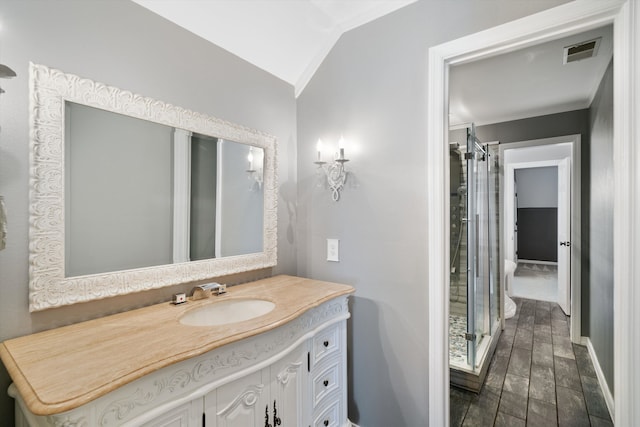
(287, 38)
(528, 82)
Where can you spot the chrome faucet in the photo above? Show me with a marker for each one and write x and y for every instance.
(205, 291)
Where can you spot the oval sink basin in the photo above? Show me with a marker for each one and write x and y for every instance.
(224, 312)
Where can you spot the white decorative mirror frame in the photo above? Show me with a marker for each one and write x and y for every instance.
(48, 286)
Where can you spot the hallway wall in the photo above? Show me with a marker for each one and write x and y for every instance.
(598, 302)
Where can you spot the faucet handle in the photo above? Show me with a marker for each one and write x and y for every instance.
(205, 290)
(209, 286)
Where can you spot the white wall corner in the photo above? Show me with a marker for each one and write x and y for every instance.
(315, 63)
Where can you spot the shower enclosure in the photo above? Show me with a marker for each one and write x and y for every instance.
(474, 323)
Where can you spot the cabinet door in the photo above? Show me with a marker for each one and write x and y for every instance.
(187, 415)
(289, 389)
(241, 403)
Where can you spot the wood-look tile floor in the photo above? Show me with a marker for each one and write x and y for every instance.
(537, 377)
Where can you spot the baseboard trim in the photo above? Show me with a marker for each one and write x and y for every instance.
(532, 261)
(606, 391)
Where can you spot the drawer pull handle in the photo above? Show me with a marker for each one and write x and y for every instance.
(326, 422)
(326, 343)
(325, 382)
(266, 417)
(276, 419)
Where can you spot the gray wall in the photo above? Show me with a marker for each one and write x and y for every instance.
(118, 192)
(122, 44)
(242, 201)
(372, 89)
(204, 172)
(599, 298)
(537, 187)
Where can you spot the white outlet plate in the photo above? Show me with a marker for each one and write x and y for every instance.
(333, 250)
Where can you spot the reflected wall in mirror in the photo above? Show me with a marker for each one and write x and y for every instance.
(127, 207)
(129, 193)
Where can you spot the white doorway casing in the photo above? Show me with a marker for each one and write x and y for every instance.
(567, 247)
(557, 152)
(571, 18)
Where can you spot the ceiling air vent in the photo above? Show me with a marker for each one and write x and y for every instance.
(581, 50)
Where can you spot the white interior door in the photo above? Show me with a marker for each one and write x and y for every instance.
(515, 221)
(564, 235)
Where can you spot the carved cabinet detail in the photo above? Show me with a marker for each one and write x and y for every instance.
(291, 376)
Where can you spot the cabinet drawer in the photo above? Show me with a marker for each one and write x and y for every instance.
(327, 343)
(326, 379)
(330, 415)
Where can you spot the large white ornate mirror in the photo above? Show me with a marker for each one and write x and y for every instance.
(129, 193)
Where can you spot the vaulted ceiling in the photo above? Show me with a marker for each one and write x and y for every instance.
(291, 38)
(287, 38)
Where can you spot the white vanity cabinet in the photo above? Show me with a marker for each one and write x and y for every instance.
(187, 415)
(273, 396)
(300, 366)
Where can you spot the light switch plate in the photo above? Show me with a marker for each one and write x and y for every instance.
(333, 250)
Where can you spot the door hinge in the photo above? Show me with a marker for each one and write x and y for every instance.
(470, 337)
(468, 156)
(308, 361)
(204, 419)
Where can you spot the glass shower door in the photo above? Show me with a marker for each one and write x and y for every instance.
(479, 247)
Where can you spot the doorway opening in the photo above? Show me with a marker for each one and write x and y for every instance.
(564, 20)
(541, 222)
(535, 207)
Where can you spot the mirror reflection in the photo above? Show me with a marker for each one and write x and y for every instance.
(141, 194)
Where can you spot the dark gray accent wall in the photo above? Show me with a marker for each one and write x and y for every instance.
(372, 89)
(548, 126)
(537, 234)
(122, 44)
(598, 301)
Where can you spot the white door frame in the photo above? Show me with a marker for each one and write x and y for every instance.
(510, 221)
(506, 188)
(562, 21)
(565, 237)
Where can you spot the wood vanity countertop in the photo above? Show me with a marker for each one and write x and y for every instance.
(61, 369)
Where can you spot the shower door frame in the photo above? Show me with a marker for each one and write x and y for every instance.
(478, 263)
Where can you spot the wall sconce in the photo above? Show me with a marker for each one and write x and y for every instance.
(253, 173)
(334, 171)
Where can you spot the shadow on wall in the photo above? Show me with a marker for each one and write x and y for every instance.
(6, 407)
(288, 195)
(371, 368)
